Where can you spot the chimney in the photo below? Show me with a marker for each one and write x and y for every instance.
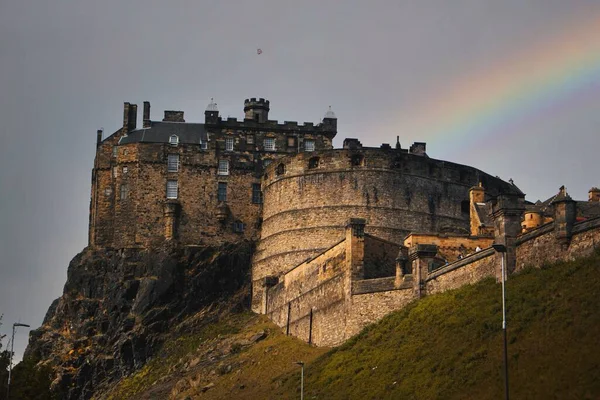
(173, 116)
(146, 120)
(129, 117)
(98, 137)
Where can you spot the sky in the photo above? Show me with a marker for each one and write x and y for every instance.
(511, 87)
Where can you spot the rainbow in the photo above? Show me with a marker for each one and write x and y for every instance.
(529, 83)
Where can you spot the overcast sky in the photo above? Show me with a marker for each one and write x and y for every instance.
(509, 86)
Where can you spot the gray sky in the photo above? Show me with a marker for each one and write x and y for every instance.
(508, 86)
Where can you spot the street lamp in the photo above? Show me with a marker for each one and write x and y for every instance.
(12, 348)
(301, 364)
(500, 248)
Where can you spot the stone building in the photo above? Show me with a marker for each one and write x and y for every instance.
(196, 183)
(343, 236)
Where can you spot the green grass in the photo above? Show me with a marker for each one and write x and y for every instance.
(450, 345)
(445, 346)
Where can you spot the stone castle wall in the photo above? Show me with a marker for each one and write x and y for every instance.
(308, 199)
(543, 246)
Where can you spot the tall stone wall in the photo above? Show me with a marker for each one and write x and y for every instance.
(469, 270)
(137, 218)
(309, 197)
(543, 246)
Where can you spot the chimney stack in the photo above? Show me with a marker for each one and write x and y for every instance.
(129, 117)
(146, 120)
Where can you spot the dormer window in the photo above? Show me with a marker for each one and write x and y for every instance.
(203, 144)
(174, 140)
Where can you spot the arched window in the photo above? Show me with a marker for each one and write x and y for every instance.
(313, 162)
(174, 140)
(280, 169)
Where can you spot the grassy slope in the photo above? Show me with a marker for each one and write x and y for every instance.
(443, 346)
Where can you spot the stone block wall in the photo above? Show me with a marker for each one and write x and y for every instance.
(543, 246)
(309, 197)
(469, 270)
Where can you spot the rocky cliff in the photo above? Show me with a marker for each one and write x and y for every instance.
(119, 307)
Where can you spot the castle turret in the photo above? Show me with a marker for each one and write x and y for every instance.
(594, 194)
(564, 216)
(256, 110)
(211, 114)
(330, 121)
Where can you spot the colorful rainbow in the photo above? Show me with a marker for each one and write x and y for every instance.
(526, 84)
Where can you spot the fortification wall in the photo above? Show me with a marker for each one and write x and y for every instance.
(309, 301)
(469, 270)
(308, 199)
(542, 246)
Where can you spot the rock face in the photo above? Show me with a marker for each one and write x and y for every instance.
(119, 306)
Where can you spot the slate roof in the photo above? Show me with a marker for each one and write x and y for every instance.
(160, 132)
(483, 212)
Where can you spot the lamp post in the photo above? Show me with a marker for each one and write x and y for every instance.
(12, 348)
(301, 364)
(500, 248)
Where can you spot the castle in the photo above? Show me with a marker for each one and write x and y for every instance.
(344, 236)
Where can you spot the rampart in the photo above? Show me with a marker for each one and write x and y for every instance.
(308, 199)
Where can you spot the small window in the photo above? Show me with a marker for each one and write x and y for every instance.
(115, 172)
(222, 191)
(203, 145)
(229, 144)
(309, 145)
(124, 192)
(266, 162)
(125, 170)
(291, 141)
(174, 140)
(269, 144)
(223, 167)
(238, 227)
(250, 139)
(173, 162)
(280, 169)
(256, 193)
(107, 191)
(357, 160)
(115, 151)
(172, 189)
(313, 162)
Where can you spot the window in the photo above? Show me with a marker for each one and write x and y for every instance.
(229, 144)
(124, 192)
(115, 172)
(291, 141)
(269, 144)
(313, 162)
(174, 140)
(172, 189)
(107, 191)
(238, 227)
(266, 162)
(125, 170)
(223, 167)
(203, 145)
(280, 169)
(173, 162)
(115, 151)
(309, 145)
(357, 160)
(222, 191)
(250, 139)
(256, 193)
